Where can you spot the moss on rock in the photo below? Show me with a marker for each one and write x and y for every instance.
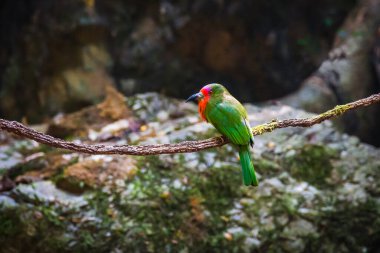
(311, 163)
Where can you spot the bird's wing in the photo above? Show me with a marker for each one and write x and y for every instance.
(229, 118)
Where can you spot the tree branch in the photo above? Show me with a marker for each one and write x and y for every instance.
(182, 147)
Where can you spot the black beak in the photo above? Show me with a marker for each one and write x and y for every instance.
(194, 97)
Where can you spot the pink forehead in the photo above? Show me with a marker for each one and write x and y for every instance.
(206, 90)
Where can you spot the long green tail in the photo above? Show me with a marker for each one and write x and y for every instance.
(249, 176)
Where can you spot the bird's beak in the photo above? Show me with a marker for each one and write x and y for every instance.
(195, 97)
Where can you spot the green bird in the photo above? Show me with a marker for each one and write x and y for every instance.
(218, 107)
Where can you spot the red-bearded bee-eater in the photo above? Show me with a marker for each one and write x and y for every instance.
(218, 107)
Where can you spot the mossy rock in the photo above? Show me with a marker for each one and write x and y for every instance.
(311, 163)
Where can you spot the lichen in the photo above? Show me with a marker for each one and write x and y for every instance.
(336, 111)
(264, 128)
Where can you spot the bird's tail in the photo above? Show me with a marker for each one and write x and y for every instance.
(249, 176)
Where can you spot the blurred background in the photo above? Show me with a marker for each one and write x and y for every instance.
(60, 56)
(116, 72)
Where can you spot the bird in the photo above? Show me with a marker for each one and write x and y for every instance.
(218, 107)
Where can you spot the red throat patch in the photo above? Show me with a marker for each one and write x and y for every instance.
(203, 102)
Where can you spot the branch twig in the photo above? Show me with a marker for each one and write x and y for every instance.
(182, 147)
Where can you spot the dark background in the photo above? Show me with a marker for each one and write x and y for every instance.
(318, 189)
(58, 56)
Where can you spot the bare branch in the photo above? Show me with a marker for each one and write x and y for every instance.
(182, 147)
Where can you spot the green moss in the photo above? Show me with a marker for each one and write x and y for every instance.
(40, 228)
(218, 187)
(9, 224)
(158, 216)
(312, 164)
(266, 166)
(350, 227)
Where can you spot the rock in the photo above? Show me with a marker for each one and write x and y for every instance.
(37, 167)
(7, 202)
(8, 158)
(318, 191)
(342, 77)
(95, 117)
(95, 172)
(46, 191)
(64, 71)
(299, 228)
(55, 63)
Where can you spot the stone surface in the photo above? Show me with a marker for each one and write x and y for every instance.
(91, 118)
(318, 191)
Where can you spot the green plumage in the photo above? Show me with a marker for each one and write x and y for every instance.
(229, 117)
(249, 176)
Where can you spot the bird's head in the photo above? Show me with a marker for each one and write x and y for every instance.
(208, 91)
